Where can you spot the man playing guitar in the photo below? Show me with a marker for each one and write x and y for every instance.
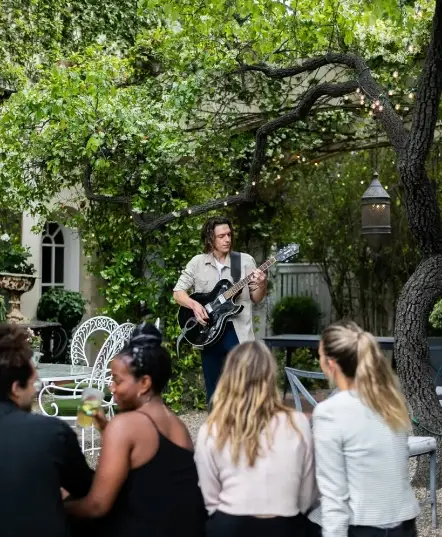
(202, 274)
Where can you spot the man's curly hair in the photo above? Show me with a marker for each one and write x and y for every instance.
(208, 231)
(15, 358)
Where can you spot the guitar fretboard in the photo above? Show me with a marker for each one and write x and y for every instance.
(245, 281)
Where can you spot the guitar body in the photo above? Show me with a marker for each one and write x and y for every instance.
(218, 310)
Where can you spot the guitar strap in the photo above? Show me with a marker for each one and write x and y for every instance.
(235, 269)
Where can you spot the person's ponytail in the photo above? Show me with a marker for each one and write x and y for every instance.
(377, 384)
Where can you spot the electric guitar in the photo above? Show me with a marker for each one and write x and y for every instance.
(220, 305)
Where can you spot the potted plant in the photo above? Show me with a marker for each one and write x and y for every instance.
(16, 274)
(64, 307)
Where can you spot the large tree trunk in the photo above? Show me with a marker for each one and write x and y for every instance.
(411, 348)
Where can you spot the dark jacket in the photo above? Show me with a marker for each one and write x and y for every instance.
(38, 455)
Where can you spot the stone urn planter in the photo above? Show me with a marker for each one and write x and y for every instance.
(16, 285)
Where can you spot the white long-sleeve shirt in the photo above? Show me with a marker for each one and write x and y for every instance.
(281, 483)
(361, 468)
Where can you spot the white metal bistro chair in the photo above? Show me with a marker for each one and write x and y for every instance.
(418, 445)
(84, 332)
(53, 399)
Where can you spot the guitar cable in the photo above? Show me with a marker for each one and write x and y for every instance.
(191, 323)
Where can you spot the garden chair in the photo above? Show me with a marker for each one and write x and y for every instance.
(82, 335)
(418, 445)
(62, 401)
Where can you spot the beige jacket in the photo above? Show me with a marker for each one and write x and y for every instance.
(201, 276)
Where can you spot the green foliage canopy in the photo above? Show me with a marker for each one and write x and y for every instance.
(147, 95)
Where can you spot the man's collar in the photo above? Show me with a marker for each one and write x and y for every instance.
(210, 260)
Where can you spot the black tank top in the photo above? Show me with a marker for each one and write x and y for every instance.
(162, 498)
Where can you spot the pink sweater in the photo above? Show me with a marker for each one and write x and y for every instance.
(281, 483)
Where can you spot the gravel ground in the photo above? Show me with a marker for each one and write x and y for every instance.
(194, 420)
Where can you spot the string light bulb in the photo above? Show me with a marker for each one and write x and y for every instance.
(358, 90)
(395, 74)
(398, 107)
(411, 95)
(390, 92)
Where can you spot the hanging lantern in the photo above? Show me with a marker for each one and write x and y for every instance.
(376, 213)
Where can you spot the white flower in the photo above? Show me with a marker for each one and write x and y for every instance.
(5, 237)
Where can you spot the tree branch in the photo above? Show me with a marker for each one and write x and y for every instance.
(160, 221)
(300, 112)
(87, 185)
(285, 72)
(389, 119)
(149, 223)
(5, 93)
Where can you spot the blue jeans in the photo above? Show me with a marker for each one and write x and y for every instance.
(213, 358)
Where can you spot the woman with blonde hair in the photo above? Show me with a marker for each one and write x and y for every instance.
(254, 455)
(361, 445)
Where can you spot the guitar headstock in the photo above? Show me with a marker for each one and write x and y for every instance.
(288, 251)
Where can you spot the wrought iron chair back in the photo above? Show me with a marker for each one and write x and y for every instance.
(112, 346)
(84, 332)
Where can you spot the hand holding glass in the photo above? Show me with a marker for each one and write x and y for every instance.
(89, 407)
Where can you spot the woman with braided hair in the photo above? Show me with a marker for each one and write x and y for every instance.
(146, 481)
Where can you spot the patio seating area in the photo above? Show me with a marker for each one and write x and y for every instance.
(63, 385)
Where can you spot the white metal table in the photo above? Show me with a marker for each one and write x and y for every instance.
(48, 373)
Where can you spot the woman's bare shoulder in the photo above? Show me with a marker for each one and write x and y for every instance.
(181, 432)
(129, 422)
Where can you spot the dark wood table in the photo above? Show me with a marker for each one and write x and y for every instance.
(308, 341)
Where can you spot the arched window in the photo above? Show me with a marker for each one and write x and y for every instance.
(52, 257)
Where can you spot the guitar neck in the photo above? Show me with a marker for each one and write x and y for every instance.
(245, 281)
